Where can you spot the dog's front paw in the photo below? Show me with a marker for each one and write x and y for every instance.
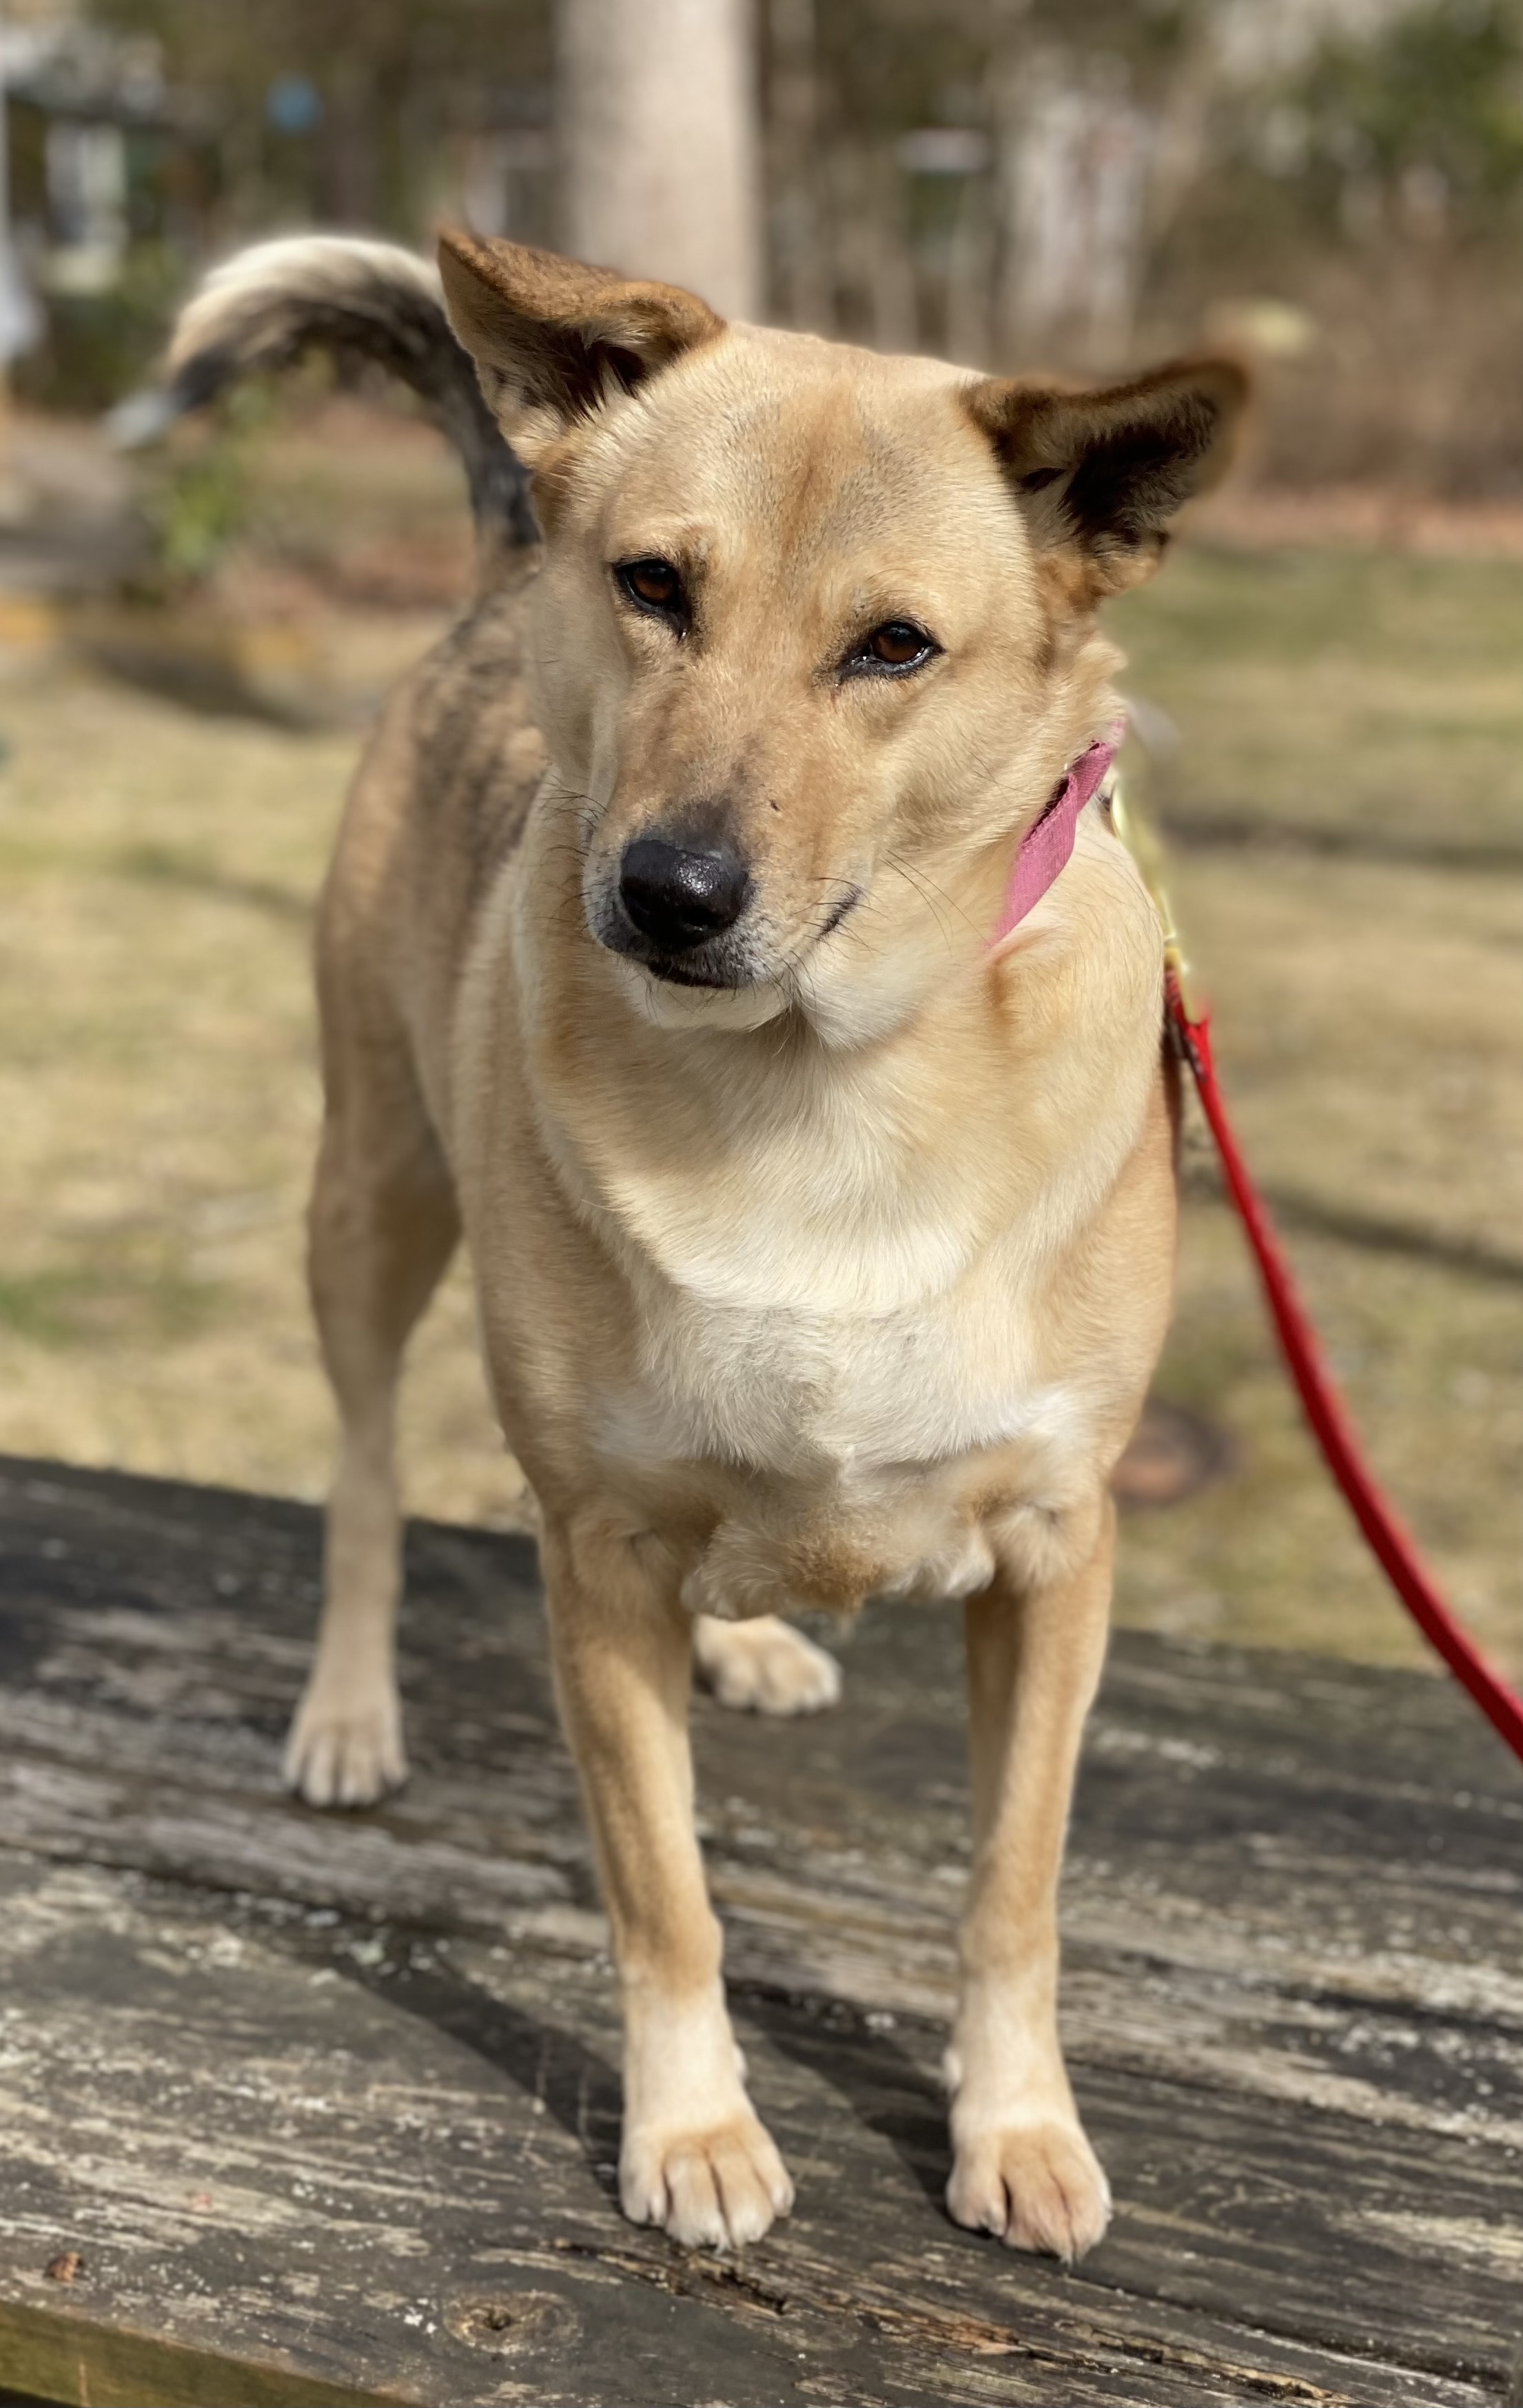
(346, 1752)
(1038, 2187)
(764, 1667)
(710, 2190)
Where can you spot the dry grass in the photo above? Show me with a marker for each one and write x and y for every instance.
(157, 1087)
(1345, 796)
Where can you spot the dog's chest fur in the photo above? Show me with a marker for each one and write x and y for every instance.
(840, 1395)
(826, 1338)
(874, 1435)
(853, 1434)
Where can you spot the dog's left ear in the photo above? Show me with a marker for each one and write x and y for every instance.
(554, 340)
(1099, 475)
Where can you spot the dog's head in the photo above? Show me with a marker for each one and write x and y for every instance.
(816, 631)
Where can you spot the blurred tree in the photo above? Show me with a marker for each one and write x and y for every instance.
(657, 118)
(1374, 183)
(1073, 182)
(337, 109)
(1092, 115)
(1430, 117)
(799, 279)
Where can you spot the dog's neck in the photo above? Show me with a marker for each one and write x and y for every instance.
(776, 1168)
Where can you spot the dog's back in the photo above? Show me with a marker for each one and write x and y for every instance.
(439, 801)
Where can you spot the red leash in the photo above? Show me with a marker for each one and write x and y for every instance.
(1040, 858)
(1393, 1547)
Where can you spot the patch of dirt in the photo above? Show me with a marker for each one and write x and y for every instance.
(1174, 1455)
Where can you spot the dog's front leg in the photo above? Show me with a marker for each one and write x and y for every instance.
(1022, 2166)
(695, 2158)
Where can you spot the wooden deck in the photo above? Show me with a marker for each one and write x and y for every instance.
(325, 2109)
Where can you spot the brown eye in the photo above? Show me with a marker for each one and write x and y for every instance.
(894, 649)
(655, 585)
(895, 644)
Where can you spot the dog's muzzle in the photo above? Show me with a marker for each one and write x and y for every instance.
(676, 906)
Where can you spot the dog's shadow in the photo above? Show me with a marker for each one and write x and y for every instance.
(577, 2087)
(889, 2091)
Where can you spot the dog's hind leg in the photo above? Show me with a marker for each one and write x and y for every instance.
(381, 1227)
(763, 1666)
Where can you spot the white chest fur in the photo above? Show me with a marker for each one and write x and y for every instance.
(839, 1395)
(849, 1423)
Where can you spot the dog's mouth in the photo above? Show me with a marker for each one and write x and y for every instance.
(848, 902)
(678, 973)
(731, 961)
(723, 968)
(721, 962)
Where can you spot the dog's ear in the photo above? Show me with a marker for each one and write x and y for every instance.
(554, 340)
(1099, 474)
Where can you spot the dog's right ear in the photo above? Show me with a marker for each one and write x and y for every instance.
(552, 340)
(1099, 475)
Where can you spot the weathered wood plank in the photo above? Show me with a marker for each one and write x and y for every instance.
(372, 2164)
(1262, 1861)
(1295, 2001)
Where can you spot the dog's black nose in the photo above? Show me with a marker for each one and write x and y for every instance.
(678, 899)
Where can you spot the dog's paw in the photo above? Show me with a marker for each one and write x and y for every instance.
(1038, 2187)
(764, 1666)
(347, 1754)
(710, 2190)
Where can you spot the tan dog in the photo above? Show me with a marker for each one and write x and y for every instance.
(823, 1249)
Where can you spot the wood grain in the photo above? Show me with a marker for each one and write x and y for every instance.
(327, 2105)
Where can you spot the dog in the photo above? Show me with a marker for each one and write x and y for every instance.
(821, 1220)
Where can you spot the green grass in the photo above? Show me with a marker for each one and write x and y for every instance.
(123, 1296)
(1361, 696)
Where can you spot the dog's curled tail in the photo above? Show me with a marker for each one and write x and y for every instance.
(358, 300)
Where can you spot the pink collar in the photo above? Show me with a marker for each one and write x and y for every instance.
(1046, 847)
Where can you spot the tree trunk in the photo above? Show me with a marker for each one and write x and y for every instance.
(656, 114)
(802, 286)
